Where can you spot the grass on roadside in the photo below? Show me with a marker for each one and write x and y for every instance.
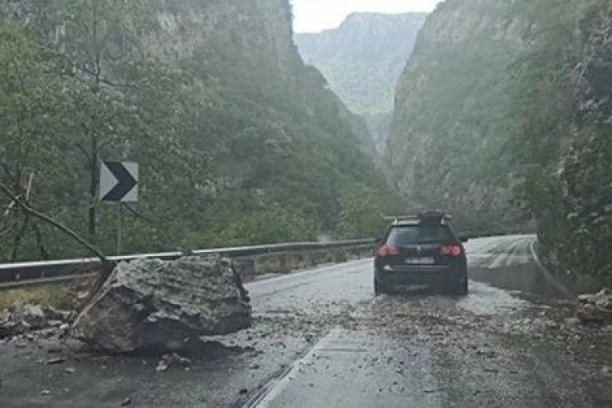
(56, 295)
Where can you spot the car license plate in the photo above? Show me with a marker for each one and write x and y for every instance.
(420, 261)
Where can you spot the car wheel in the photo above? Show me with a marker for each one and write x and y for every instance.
(378, 288)
(462, 288)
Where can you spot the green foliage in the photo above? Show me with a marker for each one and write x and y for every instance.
(523, 110)
(563, 140)
(451, 126)
(267, 226)
(232, 151)
(361, 212)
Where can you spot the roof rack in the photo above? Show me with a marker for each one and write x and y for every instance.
(437, 214)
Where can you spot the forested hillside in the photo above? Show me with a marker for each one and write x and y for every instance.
(502, 115)
(237, 140)
(362, 60)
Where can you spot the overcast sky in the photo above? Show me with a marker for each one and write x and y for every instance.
(317, 15)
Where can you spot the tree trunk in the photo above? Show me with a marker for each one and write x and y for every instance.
(93, 186)
(18, 237)
(44, 254)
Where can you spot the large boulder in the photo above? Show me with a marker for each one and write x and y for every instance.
(160, 305)
(595, 308)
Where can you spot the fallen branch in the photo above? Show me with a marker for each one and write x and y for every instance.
(51, 221)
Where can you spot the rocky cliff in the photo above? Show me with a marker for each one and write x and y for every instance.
(363, 57)
(445, 146)
(585, 180)
(362, 60)
(239, 141)
(503, 114)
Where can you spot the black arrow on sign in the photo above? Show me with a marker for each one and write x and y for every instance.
(125, 182)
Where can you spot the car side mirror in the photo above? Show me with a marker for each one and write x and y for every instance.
(464, 238)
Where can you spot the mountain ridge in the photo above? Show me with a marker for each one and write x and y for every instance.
(362, 60)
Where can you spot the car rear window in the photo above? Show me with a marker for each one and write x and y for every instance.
(418, 234)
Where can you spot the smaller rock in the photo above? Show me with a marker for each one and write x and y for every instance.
(162, 366)
(53, 314)
(180, 360)
(54, 348)
(70, 370)
(254, 366)
(487, 353)
(55, 361)
(596, 308)
(605, 370)
(45, 392)
(55, 323)
(82, 295)
(48, 333)
(126, 402)
(552, 325)
(31, 314)
(64, 327)
(243, 391)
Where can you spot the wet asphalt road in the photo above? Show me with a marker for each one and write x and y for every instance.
(322, 339)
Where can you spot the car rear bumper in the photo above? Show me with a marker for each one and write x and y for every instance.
(422, 275)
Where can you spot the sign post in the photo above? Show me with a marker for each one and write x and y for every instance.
(119, 228)
(119, 184)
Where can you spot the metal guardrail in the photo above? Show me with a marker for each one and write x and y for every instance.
(26, 273)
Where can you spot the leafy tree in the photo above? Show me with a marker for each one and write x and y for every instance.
(29, 96)
(234, 148)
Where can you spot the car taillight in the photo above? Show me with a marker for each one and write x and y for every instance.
(454, 249)
(387, 250)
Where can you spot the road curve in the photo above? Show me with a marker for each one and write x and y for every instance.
(322, 339)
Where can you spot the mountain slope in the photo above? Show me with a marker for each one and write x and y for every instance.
(447, 131)
(362, 60)
(503, 117)
(363, 57)
(238, 141)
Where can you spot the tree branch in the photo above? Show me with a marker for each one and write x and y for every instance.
(56, 224)
(85, 153)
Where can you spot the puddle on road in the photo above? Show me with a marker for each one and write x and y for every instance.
(523, 278)
(486, 300)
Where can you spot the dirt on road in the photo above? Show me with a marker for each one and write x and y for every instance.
(322, 339)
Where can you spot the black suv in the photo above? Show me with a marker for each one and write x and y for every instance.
(421, 250)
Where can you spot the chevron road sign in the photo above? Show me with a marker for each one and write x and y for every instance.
(119, 182)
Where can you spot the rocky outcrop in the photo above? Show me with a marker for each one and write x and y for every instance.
(595, 308)
(153, 304)
(362, 60)
(446, 135)
(586, 178)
